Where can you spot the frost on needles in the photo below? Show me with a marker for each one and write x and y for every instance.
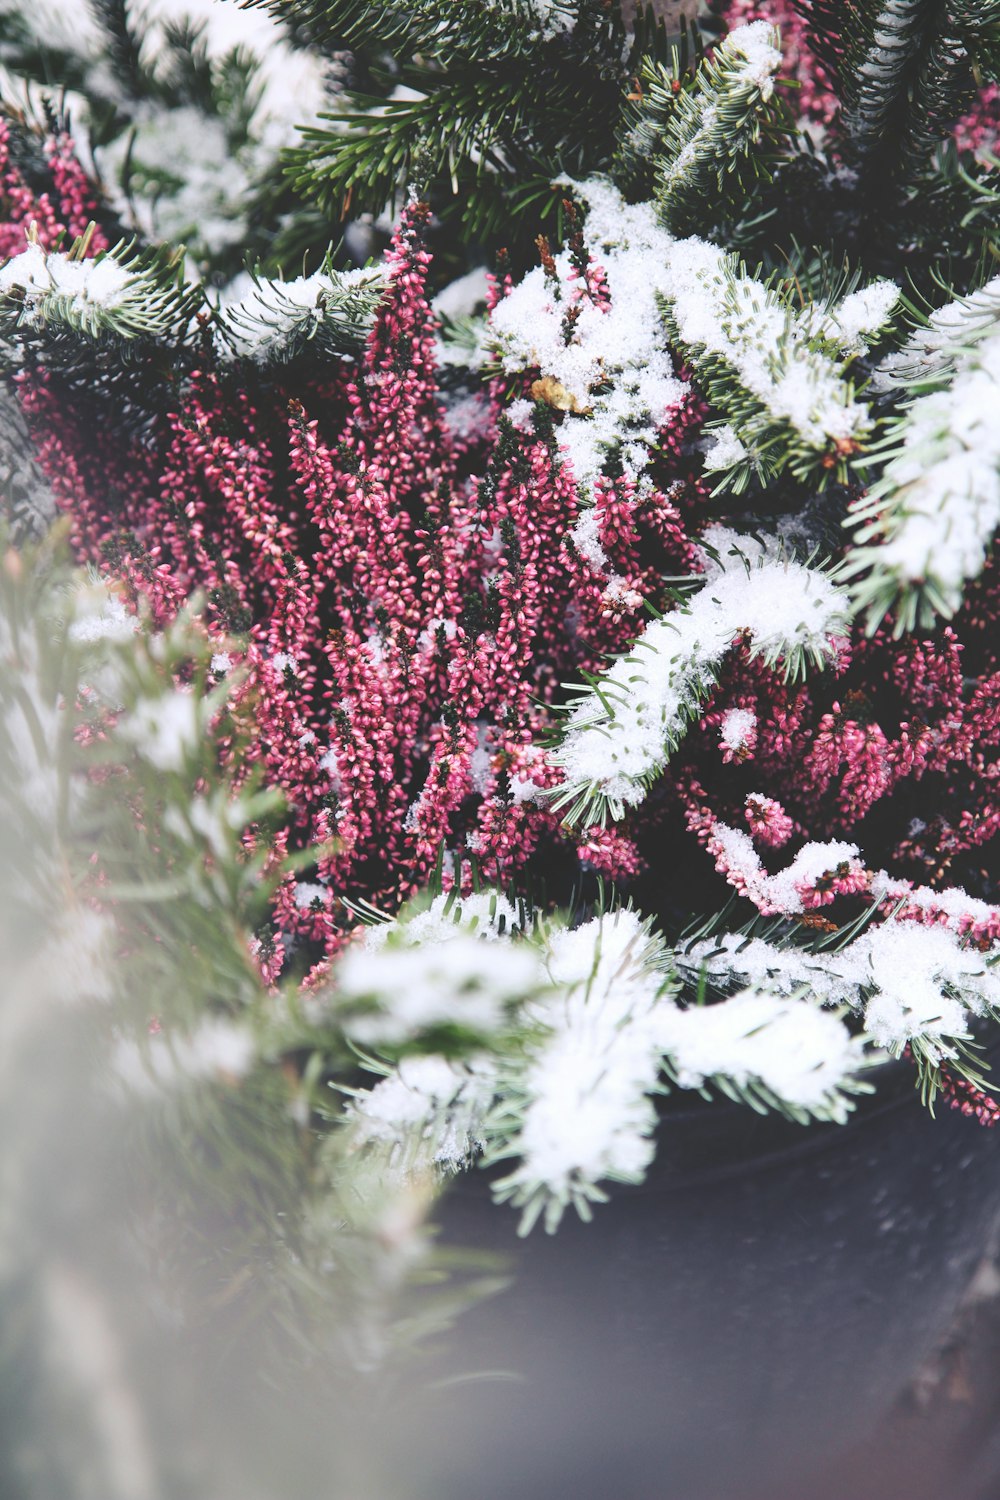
(926, 527)
(110, 294)
(605, 345)
(622, 729)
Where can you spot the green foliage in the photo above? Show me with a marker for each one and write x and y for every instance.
(466, 30)
(458, 114)
(760, 318)
(905, 71)
(120, 296)
(330, 315)
(169, 1130)
(711, 135)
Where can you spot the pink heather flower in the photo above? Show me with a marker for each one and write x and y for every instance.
(404, 598)
(978, 131)
(611, 854)
(768, 822)
(738, 734)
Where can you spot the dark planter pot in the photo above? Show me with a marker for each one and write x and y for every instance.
(722, 1332)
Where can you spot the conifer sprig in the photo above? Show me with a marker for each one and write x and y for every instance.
(121, 295)
(330, 313)
(710, 128)
(461, 117)
(467, 30)
(624, 726)
(926, 527)
(760, 362)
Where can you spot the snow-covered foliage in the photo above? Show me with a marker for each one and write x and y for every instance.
(927, 526)
(760, 360)
(211, 95)
(725, 450)
(601, 347)
(93, 296)
(854, 322)
(268, 320)
(949, 335)
(581, 1109)
(372, 552)
(437, 968)
(905, 980)
(597, 340)
(786, 1049)
(786, 891)
(716, 120)
(570, 1098)
(621, 731)
(428, 1110)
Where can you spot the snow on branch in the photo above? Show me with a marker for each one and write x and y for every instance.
(275, 320)
(756, 359)
(778, 1051)
(566, 1091)
(925, 529)
(909, 983)
(429, 1111)
(580, 1110)
(851, 324)
(112, 294)
(624, 726)
(932, 352)
(600, 336)
(712, 125)
(437, 969)
(583, 1109)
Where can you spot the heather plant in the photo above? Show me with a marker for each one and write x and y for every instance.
(528, 696)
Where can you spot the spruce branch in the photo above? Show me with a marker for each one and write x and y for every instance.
(878, 69)
(905, 71)
(120, 295)
(469, 133)
(465, 30)
(464, 119)
(759, 361)
(925, 528)
(331, 312)
(942, 341)
(708, 130)
(622, 729)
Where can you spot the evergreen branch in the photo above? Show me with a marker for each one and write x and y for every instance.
(905, 71)
(624, 726)
(119, 295)
(953, 206)
(878, 70)
(331, 312)
(660, 70)
(946, 338)
(757, 360)
(124, 45)
(936, 1074)
(465, 128)
(476, 137)
(925, 528)
(915, 987)
(943, 89)
(707, 130)
(462, 30)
